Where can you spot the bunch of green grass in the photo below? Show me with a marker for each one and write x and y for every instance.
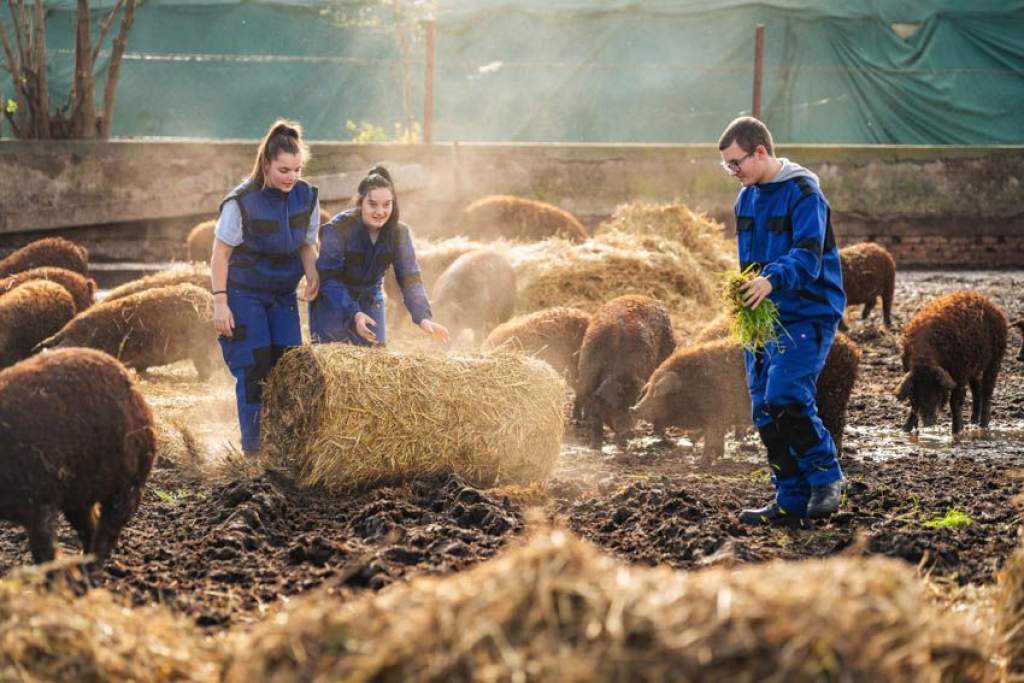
(954, 519)
(753, 328)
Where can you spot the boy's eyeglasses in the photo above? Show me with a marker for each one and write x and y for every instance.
(733, 166)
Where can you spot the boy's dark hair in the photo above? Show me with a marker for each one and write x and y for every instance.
(748, 133)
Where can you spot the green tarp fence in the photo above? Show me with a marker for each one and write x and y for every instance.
(944, 72)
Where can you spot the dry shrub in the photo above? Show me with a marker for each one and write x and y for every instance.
(50, 635)
(1010, 615)
(556, 609)
(700, 235)
(197, 274)
(342, 416)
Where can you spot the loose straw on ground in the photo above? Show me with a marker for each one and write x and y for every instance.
(557, 609)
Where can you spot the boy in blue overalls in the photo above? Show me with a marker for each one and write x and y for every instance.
(783, 228)
(265, 241)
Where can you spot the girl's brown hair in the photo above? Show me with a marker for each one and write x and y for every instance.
(379, 177)
(282, 136)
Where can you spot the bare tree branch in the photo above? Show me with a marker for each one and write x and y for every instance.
(14, 65)
(41, 84)
(114, 68)
(104, 27)
(15, 128)
(83, 112)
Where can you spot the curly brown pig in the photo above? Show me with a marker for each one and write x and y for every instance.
(148, 329)
(197, 274)
(476, 292)
(30, 313)
(432, 263)
(554, 335)
(61, 453)
(956, 341)
(519, 218)
(81, 288)
(704, 387)
(627, 339)
(199, 243)
(869, 272)
(52, 251)
(1019, 324)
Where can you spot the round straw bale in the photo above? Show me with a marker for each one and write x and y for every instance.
(81, 288)
(702, 236)
(199, 243)
(197, 274)
(52, 251)
(343, 416)
(521, 219)
(557, 609)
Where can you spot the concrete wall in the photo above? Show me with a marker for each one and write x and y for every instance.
(136, 200)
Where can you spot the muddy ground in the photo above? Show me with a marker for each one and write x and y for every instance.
(223, 553)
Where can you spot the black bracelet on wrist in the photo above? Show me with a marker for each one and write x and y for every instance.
(220, 291)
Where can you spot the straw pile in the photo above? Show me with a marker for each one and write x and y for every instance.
(585, 276)
(700, 235)
(520, 218)
(1010, 615)
(197, 274)
(53, 636)
(341, 416)
(556, 609)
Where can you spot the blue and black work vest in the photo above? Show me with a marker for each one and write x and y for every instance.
(785, 229)
(274, 226)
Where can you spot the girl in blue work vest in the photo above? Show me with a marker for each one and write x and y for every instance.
(265, 241)
(356, 249)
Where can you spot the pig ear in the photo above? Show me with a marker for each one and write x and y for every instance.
(946, 380)
(906, 387)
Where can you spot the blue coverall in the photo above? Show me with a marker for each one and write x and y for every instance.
(263, 272)
(785, 228)
(352, 269)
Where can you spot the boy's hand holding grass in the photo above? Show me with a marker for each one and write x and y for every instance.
(755, 291)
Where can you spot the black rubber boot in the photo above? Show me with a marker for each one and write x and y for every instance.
(825, 499)
(771, 514)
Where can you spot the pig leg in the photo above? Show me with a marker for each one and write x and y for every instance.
(988, 387)
(956, 407)
(911, 423)
(976, 400)
(867, 308)
(115, 514)
(596, 431)
(83, 521)
(204, 364)
(40, 534)
(714, 444)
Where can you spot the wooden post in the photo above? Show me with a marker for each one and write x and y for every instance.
(758, 69)
(428, 85)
